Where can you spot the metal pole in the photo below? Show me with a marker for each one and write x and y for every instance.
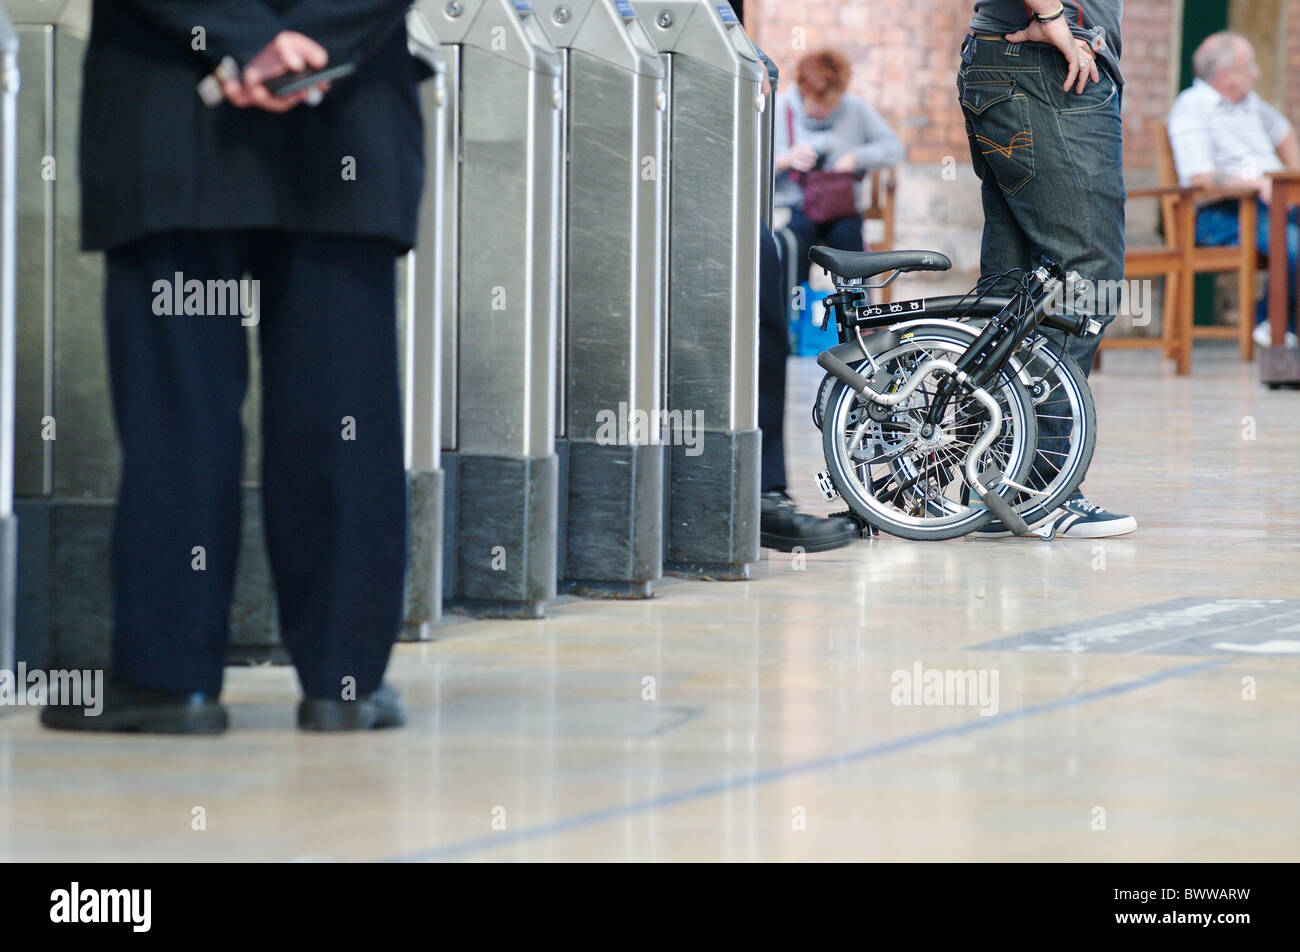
(423, 358)
(9, 84)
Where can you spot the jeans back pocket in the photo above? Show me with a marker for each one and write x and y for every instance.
(1000, 130)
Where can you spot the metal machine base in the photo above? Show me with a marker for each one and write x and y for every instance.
(1279, 366)
(614, 591)
(502, 538)
(713, 507)
(8, 597)
(65, 603)
(614, 525)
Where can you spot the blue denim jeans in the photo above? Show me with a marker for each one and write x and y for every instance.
(1050, 162)
(1052, 175)
(1219, 225)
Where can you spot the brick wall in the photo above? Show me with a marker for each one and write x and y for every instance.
(1150, 73)
(1292, 104)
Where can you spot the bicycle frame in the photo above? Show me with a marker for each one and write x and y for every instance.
(1009, 322)
(1014, 322)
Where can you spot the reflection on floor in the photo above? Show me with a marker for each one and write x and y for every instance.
(795, 716)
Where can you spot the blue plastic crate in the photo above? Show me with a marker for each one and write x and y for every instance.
(808, 339)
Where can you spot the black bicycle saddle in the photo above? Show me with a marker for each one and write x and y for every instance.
(868, 264)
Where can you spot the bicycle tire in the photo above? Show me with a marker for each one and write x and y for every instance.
(1044, 357)
(851, 475)
(1077, 456)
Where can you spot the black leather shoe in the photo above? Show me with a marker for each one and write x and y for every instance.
(129, 709)
(865, 529)
(783, 527)
(380, 708)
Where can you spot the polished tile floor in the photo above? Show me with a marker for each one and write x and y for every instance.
(757, 720)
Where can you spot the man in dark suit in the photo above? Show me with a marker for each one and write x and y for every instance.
(313, 205)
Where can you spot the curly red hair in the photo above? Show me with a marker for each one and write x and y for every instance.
(823, 73)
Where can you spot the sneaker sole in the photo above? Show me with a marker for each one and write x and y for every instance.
(1099, 530)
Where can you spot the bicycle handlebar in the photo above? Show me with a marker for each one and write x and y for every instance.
(1079, 326)
(1052, 279)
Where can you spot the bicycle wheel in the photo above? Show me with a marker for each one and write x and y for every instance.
(1067, 427)
(1063, 409)
(914, 486)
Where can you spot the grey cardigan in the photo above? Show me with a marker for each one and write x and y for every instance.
(853, 126)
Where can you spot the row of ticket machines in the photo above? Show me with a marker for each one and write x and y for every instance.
(579, 320)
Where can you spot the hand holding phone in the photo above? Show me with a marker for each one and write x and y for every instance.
(286, 84)
(289, 54)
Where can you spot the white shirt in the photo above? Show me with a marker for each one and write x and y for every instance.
(1209, 133)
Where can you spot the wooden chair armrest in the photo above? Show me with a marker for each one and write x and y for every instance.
(1286, 187)
(877, 205)
(1219, 193)
(1160, 191)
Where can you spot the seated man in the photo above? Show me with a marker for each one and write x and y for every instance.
(1223, 133)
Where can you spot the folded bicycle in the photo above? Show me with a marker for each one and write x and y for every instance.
(940, 415)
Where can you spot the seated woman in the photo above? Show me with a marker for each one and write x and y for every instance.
(819, 126)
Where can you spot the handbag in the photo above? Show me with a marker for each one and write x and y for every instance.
(827, 196)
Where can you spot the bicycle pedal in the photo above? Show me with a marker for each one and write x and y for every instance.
(827, 487)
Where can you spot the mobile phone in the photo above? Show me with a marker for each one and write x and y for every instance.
(287, 84)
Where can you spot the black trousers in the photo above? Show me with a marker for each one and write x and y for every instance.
(333, 481)
(844, 234)
(773, 349)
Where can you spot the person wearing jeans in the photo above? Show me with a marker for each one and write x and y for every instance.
(1040, 92)
(1219, 224)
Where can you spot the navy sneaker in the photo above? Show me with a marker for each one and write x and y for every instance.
(1078, 518)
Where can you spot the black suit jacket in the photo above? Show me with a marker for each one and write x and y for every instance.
(154, 158)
